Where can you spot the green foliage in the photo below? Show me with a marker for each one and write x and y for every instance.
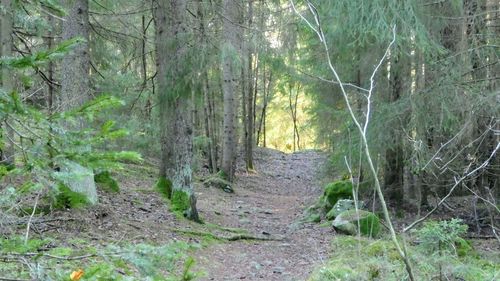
(366, 259)
(68, 199)
(106, 182)
(169, 262)
(40, 58)
(16, 244)
(442, 236)
(164, 187)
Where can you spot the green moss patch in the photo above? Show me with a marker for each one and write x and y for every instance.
(105, 182)
(335, 191)
(180, 201)
(164, 187)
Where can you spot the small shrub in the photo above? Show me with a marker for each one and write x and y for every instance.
(441, 236)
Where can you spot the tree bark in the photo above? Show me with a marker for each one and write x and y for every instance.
(394, 166)
(6, 24)
(230, 75)
(75, 79)
(249, 136)
(174, 90)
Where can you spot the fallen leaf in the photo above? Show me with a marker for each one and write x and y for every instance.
(76, 275)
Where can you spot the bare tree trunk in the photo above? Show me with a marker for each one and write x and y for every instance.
(230, 79)
(263, 115)
(144, 67)
(75, 80)
(394, 166)
(249, 139)
(174, 91)
(209, 126)
(6, 21)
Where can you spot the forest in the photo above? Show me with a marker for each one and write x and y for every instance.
(276, 140)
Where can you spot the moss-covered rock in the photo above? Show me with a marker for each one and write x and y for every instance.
(164, 187)
(69, 199)
(341, 206)
(335, 191)
(105, 182)
(347, 222)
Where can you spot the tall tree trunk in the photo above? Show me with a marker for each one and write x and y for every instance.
(75, 80)
(249, 137)
(6, 24)
(265, 95)
(144, 67)
(230, 75)
(174, 89)
(394, 166)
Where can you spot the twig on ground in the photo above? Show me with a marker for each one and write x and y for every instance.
(233, 237)
(26, 236)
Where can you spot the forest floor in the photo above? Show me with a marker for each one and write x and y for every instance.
(251, 234)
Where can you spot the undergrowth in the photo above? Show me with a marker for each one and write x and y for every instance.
(438, 252)
(38, 260)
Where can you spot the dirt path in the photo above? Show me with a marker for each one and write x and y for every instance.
(268, 203)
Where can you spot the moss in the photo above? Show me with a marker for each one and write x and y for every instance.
(180, 201)
(164, 187)
(335, 191)
(313, 217)
(370, 225)
(69, 199)
(221, 174)
(381, 248)
(347, 222)
(106, 182)
(61, 251)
